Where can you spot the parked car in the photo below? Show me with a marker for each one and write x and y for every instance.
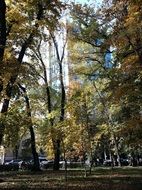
(26, 164)
(62, 163)
(29, 164)
(124, 162)
(43, 160)
(14, 164)
(107, 163)
(47, 164)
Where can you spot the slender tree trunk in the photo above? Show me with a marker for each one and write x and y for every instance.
(88, 136)
(112, 159)
(4, 110)
(32, 134)
(48, 95)
(110, 124)
(9, 87)
(2, 48)
(65, 162)
(116, 150)
(62, 114)
(13, 78)
(33, 148)
(56, 144)
(2, 28)
(63, 100)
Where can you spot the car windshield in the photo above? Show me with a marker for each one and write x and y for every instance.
(16, 160)
(42, 159)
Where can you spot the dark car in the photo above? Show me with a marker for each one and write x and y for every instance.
(124, 162)
(107, 163)
(29, 164)
(14, 164)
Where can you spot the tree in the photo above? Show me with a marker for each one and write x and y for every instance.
(41, 68)
(57, 142)
(126, 40)
(33, 16)
(94, 53)
(2, 29)
(12, 80)
(30, 126)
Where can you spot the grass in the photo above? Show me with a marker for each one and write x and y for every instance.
(100, 179)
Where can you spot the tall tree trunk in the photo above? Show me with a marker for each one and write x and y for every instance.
(32, 134)
(56, 145)
(9, 87)
(57, 142)
(33, 148)
(13, 78)
(2, 47)
(4, 110)
(48, 95)
(110, 123)
(2, 28)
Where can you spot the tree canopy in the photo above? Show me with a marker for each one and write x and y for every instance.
(71, 74)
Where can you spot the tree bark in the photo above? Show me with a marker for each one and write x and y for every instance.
(2, 28)
(2, 48)
(32, 134)
(4, 110)
(56, 145)
(48, 95)
(57, 142)
(13, 78)
(9, 86)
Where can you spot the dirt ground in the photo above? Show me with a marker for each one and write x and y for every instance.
(100, 179)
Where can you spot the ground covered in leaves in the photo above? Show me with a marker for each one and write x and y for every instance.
(100, 179)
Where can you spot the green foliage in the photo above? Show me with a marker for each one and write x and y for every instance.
(16, 124)
(126, 87)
